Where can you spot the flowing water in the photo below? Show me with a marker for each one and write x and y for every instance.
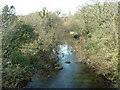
(73, 75)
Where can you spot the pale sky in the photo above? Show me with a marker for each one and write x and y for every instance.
(28, 6)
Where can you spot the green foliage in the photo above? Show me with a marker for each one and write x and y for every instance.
(28, 42)
(43, 13)
(17, 36)
(21, 46)
(14, 60)
(50, 20)
(8, 15)
(98, 44)
(14, 75)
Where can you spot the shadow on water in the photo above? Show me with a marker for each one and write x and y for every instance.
(73, 75)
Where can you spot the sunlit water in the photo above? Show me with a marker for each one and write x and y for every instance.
(73, 75)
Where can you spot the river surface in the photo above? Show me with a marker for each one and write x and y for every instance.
(73, 75)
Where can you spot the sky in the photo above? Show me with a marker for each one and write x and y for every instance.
(24, 7)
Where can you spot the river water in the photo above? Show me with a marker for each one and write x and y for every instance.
(73, 75)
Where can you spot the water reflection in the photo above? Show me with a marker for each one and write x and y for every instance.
(73, 75)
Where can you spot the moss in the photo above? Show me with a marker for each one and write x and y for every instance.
(58, 68)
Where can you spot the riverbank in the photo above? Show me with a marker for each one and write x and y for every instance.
(74, 74)
(42, 63)
(93, 33)
(29, 43)
(103, 67)
(99, 65)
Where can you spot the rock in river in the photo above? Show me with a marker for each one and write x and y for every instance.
(58, 68)
(67, 62)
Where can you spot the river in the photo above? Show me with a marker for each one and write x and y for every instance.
(73, 75)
